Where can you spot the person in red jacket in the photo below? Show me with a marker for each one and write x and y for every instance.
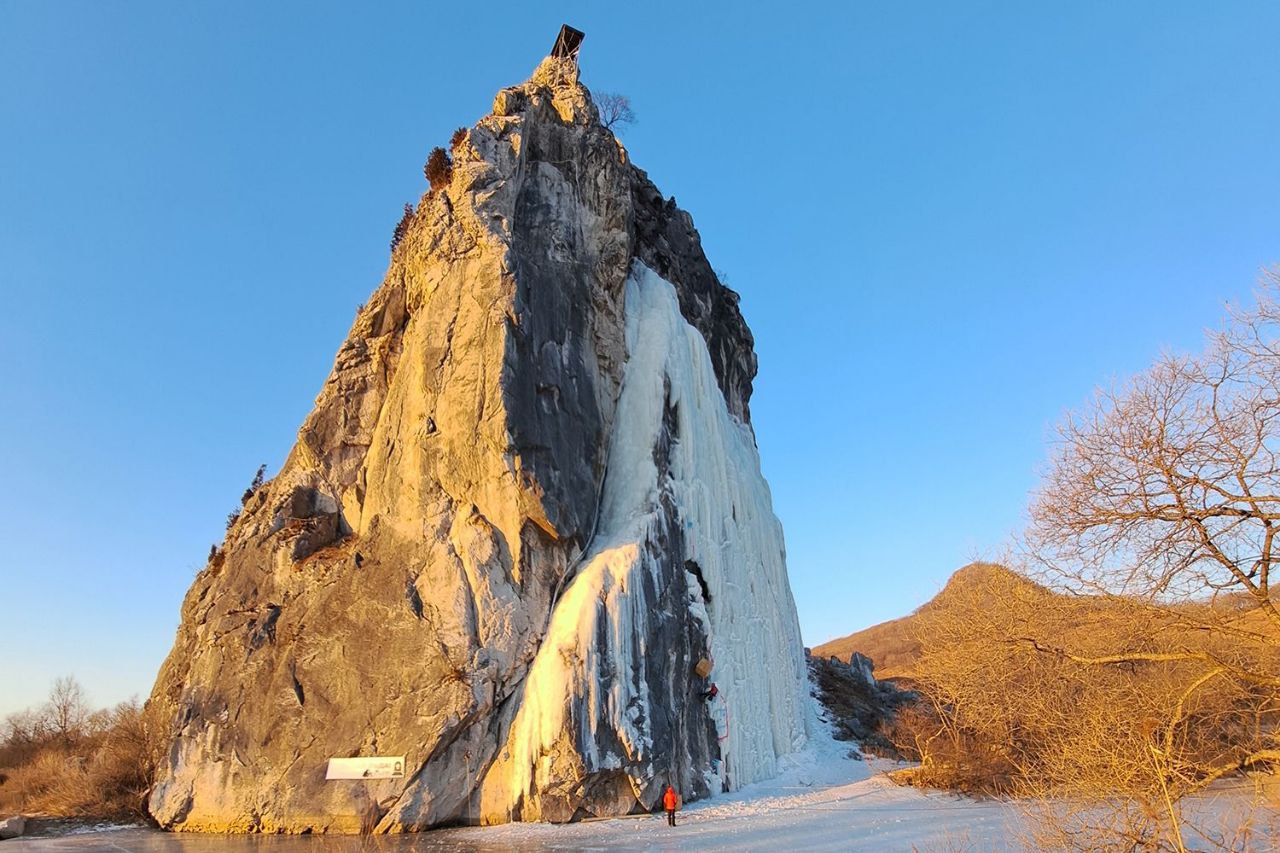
(671, 802)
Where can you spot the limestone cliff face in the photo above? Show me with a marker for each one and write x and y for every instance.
(389, 591)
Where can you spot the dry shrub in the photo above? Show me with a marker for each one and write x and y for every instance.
(102, 775)
(438, 169)
(951, 757)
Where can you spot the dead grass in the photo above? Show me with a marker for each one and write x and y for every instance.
(100, 775)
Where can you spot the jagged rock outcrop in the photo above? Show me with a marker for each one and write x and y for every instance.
(858, 705)
(526, 503)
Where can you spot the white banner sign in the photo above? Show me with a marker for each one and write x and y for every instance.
(371, 767)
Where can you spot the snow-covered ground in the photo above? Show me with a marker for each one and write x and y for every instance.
(863, 811)
(822, 801)
(832, 804)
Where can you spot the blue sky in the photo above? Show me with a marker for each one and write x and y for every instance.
(948, 223)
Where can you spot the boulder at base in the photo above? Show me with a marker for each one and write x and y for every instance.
(12, 827)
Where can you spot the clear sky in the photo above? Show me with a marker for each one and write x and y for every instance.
(948, 223)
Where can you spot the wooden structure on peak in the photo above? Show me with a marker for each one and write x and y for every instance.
(568, 43)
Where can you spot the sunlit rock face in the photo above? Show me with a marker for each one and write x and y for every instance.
(526, 504)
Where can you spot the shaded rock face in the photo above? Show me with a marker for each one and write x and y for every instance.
(436, 532)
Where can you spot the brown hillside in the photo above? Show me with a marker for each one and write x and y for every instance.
(892, 646)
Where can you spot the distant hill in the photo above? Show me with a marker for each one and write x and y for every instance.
(892, 645)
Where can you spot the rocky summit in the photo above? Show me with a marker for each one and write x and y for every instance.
(520, 535)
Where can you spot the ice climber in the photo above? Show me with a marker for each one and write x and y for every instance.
(671, 802)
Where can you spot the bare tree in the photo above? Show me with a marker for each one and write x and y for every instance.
(67, 711)
(1144, 664)
(1164, 498)
(1167, 489)
(615, 110)
(1104, 753)
(68, 760)
(22, 735)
